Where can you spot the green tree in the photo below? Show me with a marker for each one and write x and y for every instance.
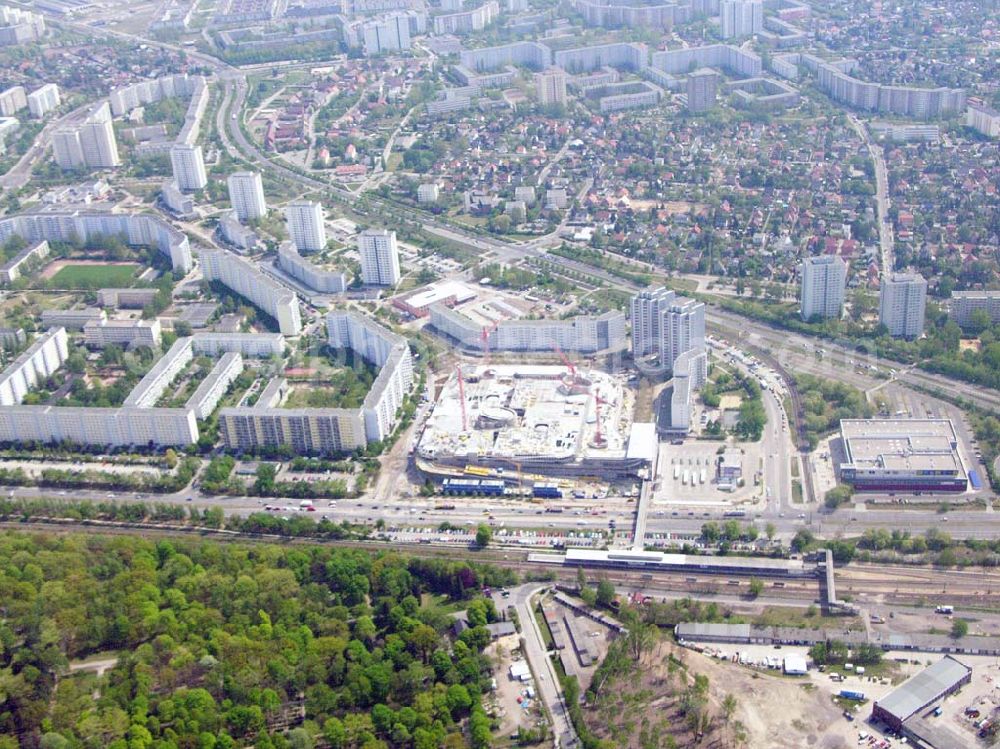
(959, 628)
(605, 593)
(483, 535)
(756, 587)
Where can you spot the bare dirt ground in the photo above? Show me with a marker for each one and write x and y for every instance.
(504, 701)
(771, 711)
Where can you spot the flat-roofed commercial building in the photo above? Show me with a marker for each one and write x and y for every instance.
(125, 298)
(902, 455)
(72, 319)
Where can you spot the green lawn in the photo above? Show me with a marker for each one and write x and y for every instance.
(95, 276)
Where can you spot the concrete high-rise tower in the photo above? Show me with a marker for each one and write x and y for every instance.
(702, 90)
(738, 18)
(824, 279)
(902, 304)
(681, 330)
(246, 193)
(305, 225)
(189, 166)
(645, 314)
(550, 86)
(379, 257)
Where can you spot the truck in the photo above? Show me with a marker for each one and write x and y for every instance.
(852, 694)
(944, 610)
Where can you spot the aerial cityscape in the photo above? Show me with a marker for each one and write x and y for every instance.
(402, 374)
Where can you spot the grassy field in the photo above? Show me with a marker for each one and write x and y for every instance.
(92, 276)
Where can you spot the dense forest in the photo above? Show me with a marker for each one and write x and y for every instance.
(210, 645)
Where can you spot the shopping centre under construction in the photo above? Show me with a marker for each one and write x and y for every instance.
(512, 420)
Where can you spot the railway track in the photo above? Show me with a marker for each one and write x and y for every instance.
(889, 584)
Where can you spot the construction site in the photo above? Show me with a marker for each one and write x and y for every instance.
(524, 423)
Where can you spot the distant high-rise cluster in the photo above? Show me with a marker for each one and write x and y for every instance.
(902, 304)
(824, 279)
(19, 26)
(739, 18)
(90, 143)
(984, 119)
(386, 34)
(379, 257)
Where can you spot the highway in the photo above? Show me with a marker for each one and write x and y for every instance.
(674, 522)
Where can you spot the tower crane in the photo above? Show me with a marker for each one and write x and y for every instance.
(461, 397)
(599, 439)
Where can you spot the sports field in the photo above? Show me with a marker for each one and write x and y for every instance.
(90, 275)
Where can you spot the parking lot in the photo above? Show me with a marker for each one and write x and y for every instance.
(687, 475)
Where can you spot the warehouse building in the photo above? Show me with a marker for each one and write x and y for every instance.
(902, 709)
(902, 455)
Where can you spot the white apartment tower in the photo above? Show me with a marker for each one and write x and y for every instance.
(902, 303)
(90, 143)
(646, 313)
(97, 138)
(12, 101)
(739, 18)
(379, 257)
(43, 100)
(246, 194)
(305, 225)
(682, 330)
(551, 86)
(666, 325)
(189, 166)
(824, 279)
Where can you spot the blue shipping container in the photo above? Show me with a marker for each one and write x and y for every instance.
(974, 479)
